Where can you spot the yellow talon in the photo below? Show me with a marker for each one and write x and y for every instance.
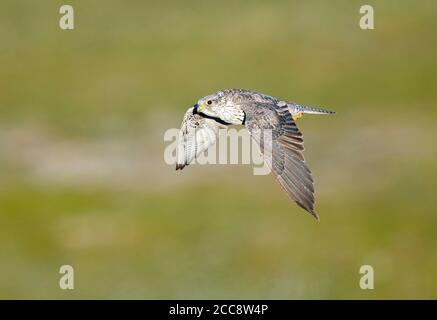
(297, 116)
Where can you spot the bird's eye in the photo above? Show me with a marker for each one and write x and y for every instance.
(209, 102)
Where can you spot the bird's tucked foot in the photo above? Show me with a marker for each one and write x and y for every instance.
(297, 116)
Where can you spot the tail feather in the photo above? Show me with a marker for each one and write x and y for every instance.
(311, 110)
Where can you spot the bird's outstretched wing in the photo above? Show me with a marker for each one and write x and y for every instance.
(281, 143)
(196, 135)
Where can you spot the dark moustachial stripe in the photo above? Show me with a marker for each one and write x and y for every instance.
(195, 107)
(214, 118)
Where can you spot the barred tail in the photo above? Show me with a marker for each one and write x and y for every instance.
(311, 110)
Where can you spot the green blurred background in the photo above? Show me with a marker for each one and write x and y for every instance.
(83, 180)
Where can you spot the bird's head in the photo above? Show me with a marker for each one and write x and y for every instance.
(210, 105)
(221, 107)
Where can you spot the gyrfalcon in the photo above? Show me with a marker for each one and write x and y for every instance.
(283, 151)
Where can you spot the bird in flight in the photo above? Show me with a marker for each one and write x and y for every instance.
(282, 148)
